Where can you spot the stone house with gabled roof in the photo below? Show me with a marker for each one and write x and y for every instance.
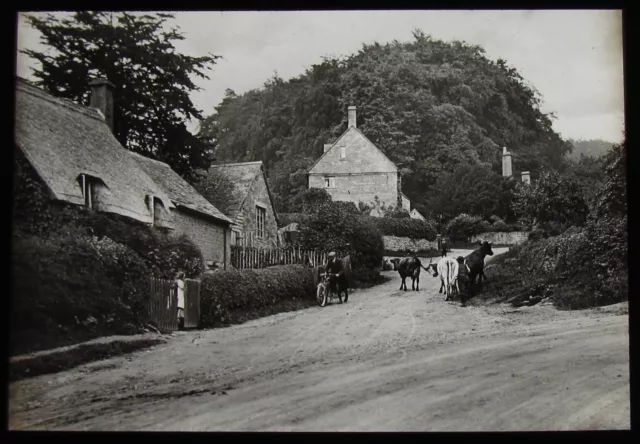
(193, 216)
(78, 160)
(247, 201)
(354, 169)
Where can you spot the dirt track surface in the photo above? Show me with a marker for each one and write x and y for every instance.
(385, 361)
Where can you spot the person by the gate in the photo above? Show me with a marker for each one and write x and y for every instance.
(179, 286)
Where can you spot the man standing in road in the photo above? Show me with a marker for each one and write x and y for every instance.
(337, 275)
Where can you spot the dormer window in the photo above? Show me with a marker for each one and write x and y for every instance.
(343, 152)
(87, 185)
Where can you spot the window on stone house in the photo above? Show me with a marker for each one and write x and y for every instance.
(235, 237)
(343, 152)
(261, 216)
(329, 182)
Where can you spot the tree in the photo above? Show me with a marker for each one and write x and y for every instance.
(612, 199)
(472, 189)
(135, 52)
(429, 105)
(552, 199)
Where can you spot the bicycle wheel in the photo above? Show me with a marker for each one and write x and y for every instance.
(321, 295)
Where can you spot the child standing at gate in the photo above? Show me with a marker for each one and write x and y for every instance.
(179, 286)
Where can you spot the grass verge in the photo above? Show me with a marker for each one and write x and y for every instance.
(55, 362)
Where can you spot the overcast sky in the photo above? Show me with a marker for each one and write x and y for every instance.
(573, 58)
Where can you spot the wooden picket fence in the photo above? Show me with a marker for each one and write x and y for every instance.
(250, 257)
(163, 302)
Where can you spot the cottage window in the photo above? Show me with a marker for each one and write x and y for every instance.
(235, 237)
(87, 184)
(261, 215)
(343, 152)
(329, 182)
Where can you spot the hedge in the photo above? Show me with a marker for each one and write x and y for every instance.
(411, 228)
(226, 292)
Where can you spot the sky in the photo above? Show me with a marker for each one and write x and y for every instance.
(572, 58)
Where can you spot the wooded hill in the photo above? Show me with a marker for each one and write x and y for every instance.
(592, 148)
(431, 106)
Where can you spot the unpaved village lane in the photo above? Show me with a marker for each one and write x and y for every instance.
(385, 361)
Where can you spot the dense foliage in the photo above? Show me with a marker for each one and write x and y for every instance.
(403, 227)
(136, 53)
(589, 148)
(225, 293)
(472, 189)
(336, 226)
(582, 267)
(430, 106)
(552, 199)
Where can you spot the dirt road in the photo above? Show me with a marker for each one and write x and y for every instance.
(385, 361)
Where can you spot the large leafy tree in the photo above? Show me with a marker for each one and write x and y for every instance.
(136, 53)
(431, 106)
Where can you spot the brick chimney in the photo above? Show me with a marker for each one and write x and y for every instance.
(526, 178)
(506, 163)
(102, 98)
(327, 146)
(352, 117)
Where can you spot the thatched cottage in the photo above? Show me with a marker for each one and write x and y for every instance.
(354, 169)
(75, 154)
(246, 200)
(193, 216)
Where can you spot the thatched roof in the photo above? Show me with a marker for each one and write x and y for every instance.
(179, 191)
(63, 140)
(241, 176)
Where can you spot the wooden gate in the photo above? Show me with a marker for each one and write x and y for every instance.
(191, 303)
(162, 305)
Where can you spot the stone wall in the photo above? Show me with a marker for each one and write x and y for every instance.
(500, 238)
(395, 243)
(212, 239)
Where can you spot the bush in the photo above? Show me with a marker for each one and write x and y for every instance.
(225, 293)
(463, 226)
(405, 227)
(75, 285)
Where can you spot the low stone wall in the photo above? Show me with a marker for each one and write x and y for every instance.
(395, 243)
(502, 238)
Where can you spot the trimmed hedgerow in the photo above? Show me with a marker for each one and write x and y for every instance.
(227, 293)
(411, 228)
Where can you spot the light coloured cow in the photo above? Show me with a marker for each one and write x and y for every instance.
(448, 269)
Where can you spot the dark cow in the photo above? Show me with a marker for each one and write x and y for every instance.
(475, 262)
(410, 267)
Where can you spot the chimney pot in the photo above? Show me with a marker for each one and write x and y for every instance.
(327, 146)
(526, 177)
(352, 116)
(102, 99)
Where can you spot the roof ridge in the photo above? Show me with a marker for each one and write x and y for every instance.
(149, 158)
(32, 89)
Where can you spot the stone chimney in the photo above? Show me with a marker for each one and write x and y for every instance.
(327, 146)
(506, 163)
(526, 178)
(102, 99)
(352, 117)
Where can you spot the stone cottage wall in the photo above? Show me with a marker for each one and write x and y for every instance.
(500, 238)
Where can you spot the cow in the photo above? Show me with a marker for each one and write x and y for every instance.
(410, 267)
(395, 262)
(475, 262)
(448, 271)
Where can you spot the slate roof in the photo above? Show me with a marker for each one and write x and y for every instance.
(63, 140)
(181, 193)
(242, 176)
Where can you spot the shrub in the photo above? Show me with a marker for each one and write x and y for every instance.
(463, 226)
(405, 227)
(74, 284)
(228, 291)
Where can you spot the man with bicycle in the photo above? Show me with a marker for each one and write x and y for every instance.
(336, 273)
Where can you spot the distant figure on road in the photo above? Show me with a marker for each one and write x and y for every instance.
(444, 247)
(179, 288)
(337, 274)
